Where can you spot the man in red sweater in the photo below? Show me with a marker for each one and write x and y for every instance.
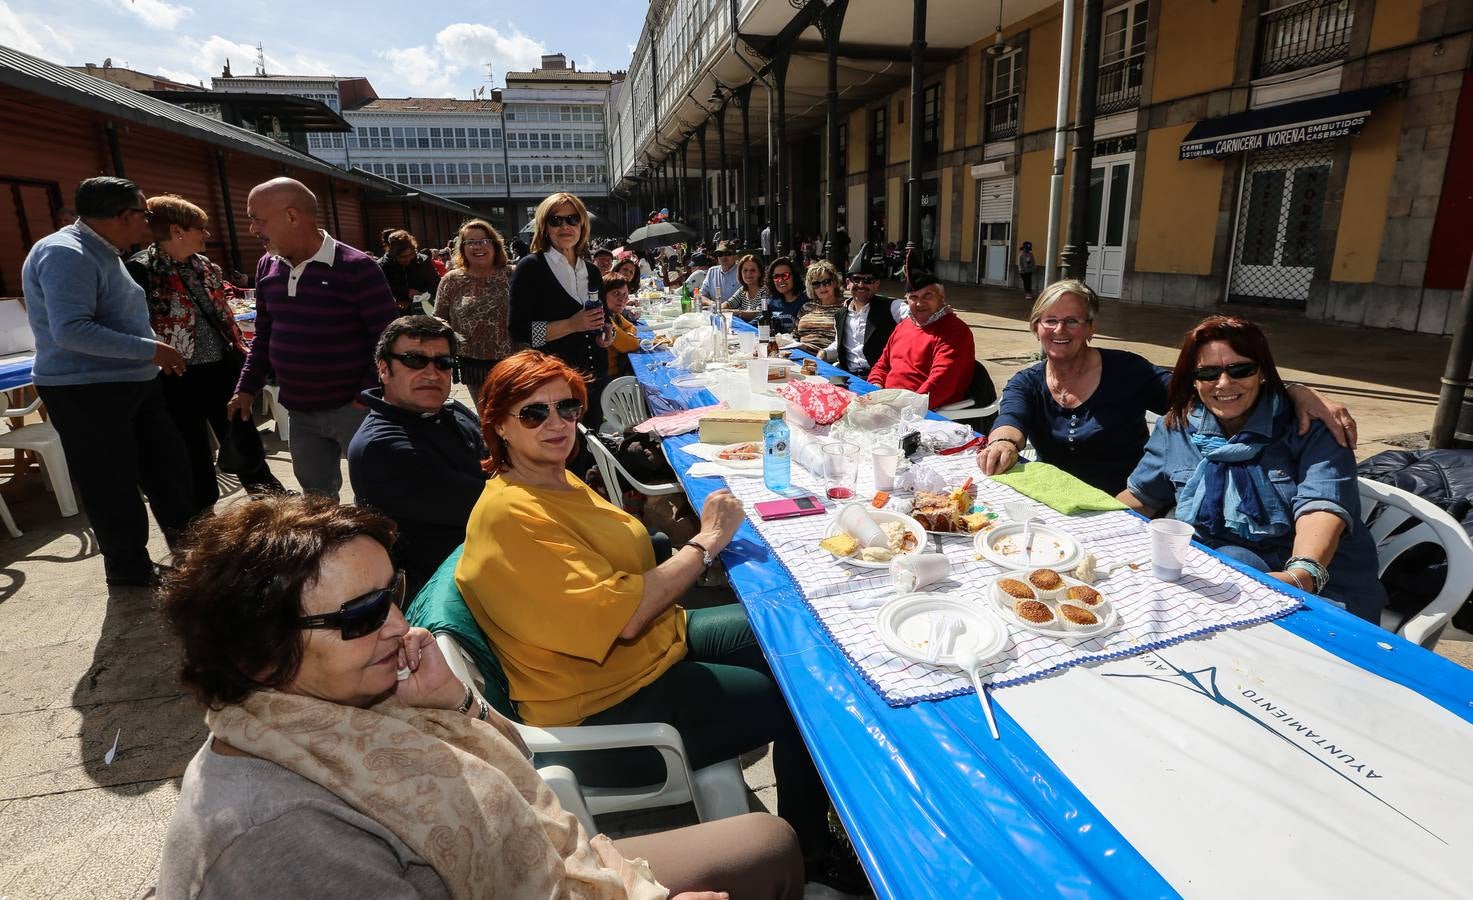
(931, 351)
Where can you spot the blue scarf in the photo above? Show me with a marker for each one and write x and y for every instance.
(1229, 493)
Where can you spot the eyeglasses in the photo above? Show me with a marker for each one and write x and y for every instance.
(826, 282)
(782, 277)
(1070, 323)
(416, 361)
(572, 219)
(478, 242)
(724, 255)
(1235, 371)
(361, 615)
(147, 216)
(533, 415)
(863, 279)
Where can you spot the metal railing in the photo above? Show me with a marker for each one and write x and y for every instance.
(1120, 85)
(1308, 33)
(1002, 118)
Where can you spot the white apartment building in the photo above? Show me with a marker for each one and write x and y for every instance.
(500, 154)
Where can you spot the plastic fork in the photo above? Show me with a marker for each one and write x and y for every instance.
(967, 661)
(945, 628)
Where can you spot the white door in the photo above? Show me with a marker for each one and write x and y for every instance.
(1109, 212)
(1277, 240)
(994, 229)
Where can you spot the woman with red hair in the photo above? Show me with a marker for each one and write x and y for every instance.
(585, 622)
(1228, 459)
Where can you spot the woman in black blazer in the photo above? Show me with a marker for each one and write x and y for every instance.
(880, 318)
(557, 294)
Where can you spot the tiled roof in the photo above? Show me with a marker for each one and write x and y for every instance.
(558, 75)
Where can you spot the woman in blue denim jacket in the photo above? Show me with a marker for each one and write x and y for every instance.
(1229, 457)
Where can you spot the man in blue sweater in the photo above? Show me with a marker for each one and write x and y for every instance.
(97, 370)
(417, 456)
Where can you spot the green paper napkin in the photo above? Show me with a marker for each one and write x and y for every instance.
(1056, 489)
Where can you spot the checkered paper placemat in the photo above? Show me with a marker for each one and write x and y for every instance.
(1210, 597)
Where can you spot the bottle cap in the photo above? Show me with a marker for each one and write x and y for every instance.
(775, 414)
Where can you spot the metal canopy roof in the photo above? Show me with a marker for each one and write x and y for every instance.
(290, 112)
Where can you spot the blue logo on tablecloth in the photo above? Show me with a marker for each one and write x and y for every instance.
(1321, 749)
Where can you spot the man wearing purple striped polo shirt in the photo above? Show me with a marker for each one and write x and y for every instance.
(320, 308)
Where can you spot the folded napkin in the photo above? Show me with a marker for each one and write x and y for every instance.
(717, 470)
(1056, 489)
(678, 422)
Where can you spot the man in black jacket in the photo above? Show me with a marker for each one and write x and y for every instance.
(863, 325)
(417, 456)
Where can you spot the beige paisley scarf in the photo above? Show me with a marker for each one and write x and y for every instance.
(461, 793)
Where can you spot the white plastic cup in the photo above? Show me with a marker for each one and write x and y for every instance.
(886, 462)
(746, 343)
(911, 572)
(1170, 539)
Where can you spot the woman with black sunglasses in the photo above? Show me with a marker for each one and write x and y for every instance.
(342, 748)
(1084, 408)
(1228, 459)
(557, 300)
(816, 320)
(587, 625)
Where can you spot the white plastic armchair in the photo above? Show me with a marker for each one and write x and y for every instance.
(717, 791)
(1396, 508)
(615, 475)
(623, 404)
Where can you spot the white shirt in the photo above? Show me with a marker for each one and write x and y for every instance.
(767, 241)
(325, 254)
(574, 280)
(854, 325)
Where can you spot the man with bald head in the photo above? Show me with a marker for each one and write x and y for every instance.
(320, 307)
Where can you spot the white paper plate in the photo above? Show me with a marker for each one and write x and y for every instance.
(882, 516)
(1052, 548)
(1109, 618)
(739, 463)
(904, 624)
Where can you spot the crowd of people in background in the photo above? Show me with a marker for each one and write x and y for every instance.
(289, 607)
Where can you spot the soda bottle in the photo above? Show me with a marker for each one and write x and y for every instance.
(685, 298)
(777, 461)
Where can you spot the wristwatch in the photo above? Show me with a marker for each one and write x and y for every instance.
(706, 558)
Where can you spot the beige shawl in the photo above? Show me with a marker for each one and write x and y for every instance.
(461, 793)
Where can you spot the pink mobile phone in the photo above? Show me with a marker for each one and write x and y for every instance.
(790, 508)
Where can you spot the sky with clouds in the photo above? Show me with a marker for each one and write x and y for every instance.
(405, 49)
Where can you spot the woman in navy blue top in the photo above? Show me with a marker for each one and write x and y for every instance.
(785, 297)
(1228, 457)
(1084, 409)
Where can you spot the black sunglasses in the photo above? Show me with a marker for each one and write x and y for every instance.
(560, 221)
(863, 279)
(1235, 371)
(823, 282)
(534, 414)
(416, 361)
(361, 615)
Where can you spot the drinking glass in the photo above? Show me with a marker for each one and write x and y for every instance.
(840, 470)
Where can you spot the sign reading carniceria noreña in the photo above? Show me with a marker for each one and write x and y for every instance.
(1285, 136)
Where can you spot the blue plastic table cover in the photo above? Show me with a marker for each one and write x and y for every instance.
(16, 373)
(933, 805)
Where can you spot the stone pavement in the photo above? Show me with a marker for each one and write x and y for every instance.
(82, 666)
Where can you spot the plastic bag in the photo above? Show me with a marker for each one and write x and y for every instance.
(820, 402)
(883, 410)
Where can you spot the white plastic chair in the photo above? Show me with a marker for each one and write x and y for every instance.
(718, 791)
(613, 471)
(271, 405)
(1396, 508)
(41, 439)
(623, 404)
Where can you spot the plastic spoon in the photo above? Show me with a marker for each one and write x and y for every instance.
(967, 661)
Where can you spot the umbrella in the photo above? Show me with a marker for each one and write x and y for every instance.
(660, 234)
(598, 225)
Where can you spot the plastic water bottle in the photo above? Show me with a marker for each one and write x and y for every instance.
(777, 460)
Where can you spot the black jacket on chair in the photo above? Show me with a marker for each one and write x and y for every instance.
(877, 328)
(537, 297)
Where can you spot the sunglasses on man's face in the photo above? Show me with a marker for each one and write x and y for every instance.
(533, 415)
(572, 219)
(1235, 371)
(862, 279)
(362, 615)
(416, 361)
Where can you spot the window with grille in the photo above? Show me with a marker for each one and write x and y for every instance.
(1004, 87)
(1296, 34)
(1281, 210)
(877, 137)
(931, 120)
(1122, 57)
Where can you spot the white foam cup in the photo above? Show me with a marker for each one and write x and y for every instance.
(916, 571)
(1170, 539)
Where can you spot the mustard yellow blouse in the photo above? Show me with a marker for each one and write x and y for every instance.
(626, 341)
(552, 577)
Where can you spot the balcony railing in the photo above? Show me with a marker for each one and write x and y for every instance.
(1308, 33)
(1002, 118)
(1120, 85)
